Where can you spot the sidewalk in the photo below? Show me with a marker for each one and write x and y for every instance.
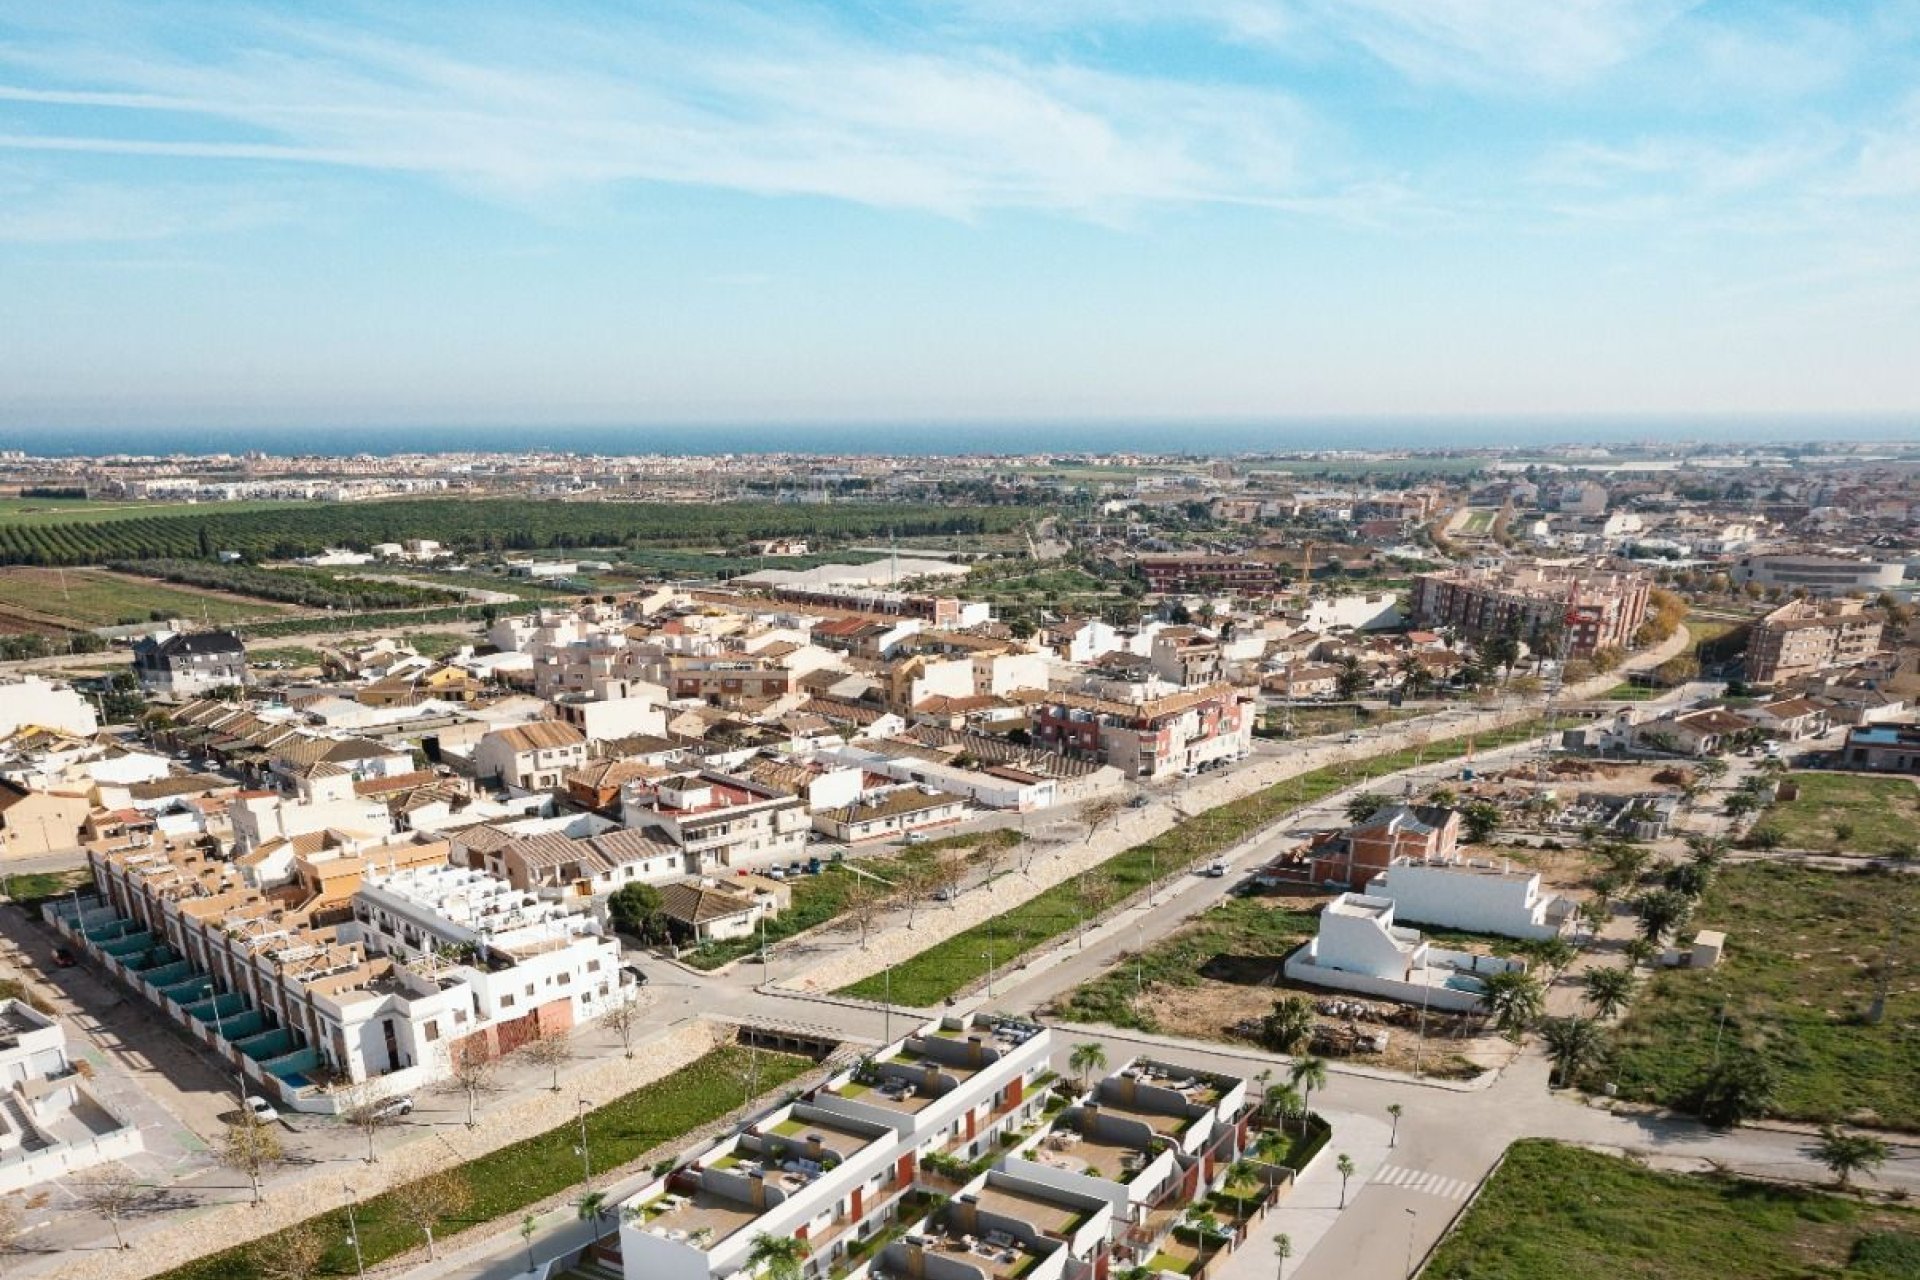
(1313, 1206)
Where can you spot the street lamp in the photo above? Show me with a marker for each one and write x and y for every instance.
(353, 1234)
(988, 957)
(1413, 1221)
(586, 1158)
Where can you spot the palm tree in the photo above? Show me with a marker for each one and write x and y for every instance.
(1309, 1073)
(1846, 1154)
(1515, 999)
(1707, 851)
(1395, 1110)
(1639, 952)
(1282, 1249)
(1736, 1088)
(1608, 990)
(1087, 1057)
(1345, 1165)
(1661, 911)
(592, 1207)
(1572, 1043)
(1282, 1102)
(781, 1257)
(1290, 1023)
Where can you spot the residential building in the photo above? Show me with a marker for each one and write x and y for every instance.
(1178, 573)
(1353, 857)
(1359, 947)
(1789, 719)
(1472, 894)
(35, 822)
(31, 702)
(1185, 656)
(1805, 637)
(1153, 736)
(835, 1167)
(53, 1122)
(890, 813)
(530, 757)
(1568, 610)
(717, 819)
(174, 664)
(1883, 748)
(710, 910)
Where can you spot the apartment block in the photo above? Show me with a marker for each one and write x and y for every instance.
(1805, 637)
(1152, 737)
(1585, 609)
(714, 818)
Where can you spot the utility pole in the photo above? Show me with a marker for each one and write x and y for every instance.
(1878, 1011)
(353, 1235)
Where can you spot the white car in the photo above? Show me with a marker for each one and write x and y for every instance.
(260, 1110)
(1214, 870)
(394, 1108)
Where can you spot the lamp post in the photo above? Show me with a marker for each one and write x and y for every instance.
(586, 1158)
(988, 957)
(1413, 1221)
(353, 1234)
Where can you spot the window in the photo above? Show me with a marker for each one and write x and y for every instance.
(433, 1031)
(506, 1001)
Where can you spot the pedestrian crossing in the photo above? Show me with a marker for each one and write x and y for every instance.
(1431, 1184)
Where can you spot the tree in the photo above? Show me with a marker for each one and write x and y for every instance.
(474, 1072)
(916, 881)
(1087, 1057)
(1092, 890)
(1765, 837)
(1515, 999)
(1282, 1249)
(1352, 678)
(1689, 879)
(1099, 812)
(1640, 952)
(592, 1207)
(1282, 1102)
(425, 1203)
(1572, 1043)
(864, 898)
(1846, 1154)
(1480, 819)
(292, 1253)
(1345, 1165)
(1364, 806)
(365, 1111)
(1309, 1073)
(1739, 804)
(622, 1017)
(1607, 660)
(944, 875)
(1289, 1024)
(529, 1226)
(113, 1194)
(253, 1148)
(778, 1257)
(551, 1052)
(1707, 851)
(1395, 1110)
(1738, 1087)
(637, 910)
(1662, 911)
(1608, 990)
(1710, 769)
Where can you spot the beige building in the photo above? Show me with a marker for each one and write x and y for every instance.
(1805, 637)
(39, 822)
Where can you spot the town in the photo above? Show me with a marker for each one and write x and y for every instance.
(953, 866)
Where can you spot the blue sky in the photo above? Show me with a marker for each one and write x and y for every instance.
(291, 214)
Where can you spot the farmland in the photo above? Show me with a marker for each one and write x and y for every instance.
(50, 601)
(495, 525)
(1553, 1210)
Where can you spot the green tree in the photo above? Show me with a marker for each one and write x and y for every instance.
(1608, 989)
(1688, 878)
(1661, 912)
(777, 1257)
(1572, 1044)
(1515, 999)
(1345, 1167)
(636, 910)
(1309, 1073)
(1394, 1110)
(1364, 806)
(1087, 1057)
(1290, 1023)
(1480, 820)
(1846, 1154)
(1738, 1087)
(1282, 1250)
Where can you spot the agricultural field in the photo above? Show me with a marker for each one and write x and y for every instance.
(51, 600)
(492, 525)
(58, 511)
(1802, 964)
(1573, 1214)
(1848, 813)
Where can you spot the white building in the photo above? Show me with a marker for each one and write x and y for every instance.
(1360, 612)
(52, 1122)
(1360, 948)
(718, 819)
(31, 701)
(1472, 894)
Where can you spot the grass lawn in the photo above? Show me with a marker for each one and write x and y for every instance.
(32, 886)
(1573, 1214)
(87, 598)
(286, 655)
(1310, 722)
(1803, 951)
(1625, 692)
(1884, 813)
(948, 967)
(505, 1181)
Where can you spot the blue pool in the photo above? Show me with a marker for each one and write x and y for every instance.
(1465, 982)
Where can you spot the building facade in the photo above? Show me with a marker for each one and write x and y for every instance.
(1551, 607)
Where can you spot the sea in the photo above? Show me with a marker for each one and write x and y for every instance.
(997, 438)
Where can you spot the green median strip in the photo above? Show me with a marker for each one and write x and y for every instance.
(948, 967)
(506, 1181)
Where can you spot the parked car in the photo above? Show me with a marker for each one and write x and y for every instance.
(1140, 802)
(1215, 870)
(261, 1110)
(62, 958)
(635, 972)
(945, 893)
(394, 1108)
(916, 837)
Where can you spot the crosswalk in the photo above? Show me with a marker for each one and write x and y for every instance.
(1432, 1184)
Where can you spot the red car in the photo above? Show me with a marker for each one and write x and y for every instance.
(62, 958)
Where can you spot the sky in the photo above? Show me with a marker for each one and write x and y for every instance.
(952, 211)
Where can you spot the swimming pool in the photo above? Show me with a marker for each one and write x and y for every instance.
(1465, 982)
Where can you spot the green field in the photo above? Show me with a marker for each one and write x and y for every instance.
(948, 967)
(506, 1181)
(86, 598)
(1625, 692)
(57, 511)
(1801, 965)
(1571, 1214)
(1883, 814)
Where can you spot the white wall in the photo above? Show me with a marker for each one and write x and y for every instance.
(34, 701)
